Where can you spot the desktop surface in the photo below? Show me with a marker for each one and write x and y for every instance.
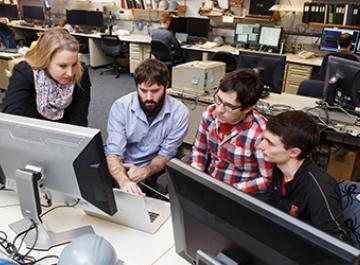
(132, 246)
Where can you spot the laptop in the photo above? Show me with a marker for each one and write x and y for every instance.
(141, 213)
(181, 37)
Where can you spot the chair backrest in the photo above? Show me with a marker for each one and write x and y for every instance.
(344, 55)
(112, 46)
(228, 58)
(350, 193)
(161, 51)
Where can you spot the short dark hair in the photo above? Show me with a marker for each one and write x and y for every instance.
(152, 71)
(296, 129)
(246, 84)
(345, 40)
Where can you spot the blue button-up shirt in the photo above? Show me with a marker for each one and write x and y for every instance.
(132, 138)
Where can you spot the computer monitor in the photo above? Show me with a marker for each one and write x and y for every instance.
(342, 81)
(247, 33)
(198, 27)
(213, 217)
(271, 68)
(330, 36)
(76, 17)
(270, 36)
(9, 11)
(178, 25)
(32, 12)
(95, 19)
(67, 161)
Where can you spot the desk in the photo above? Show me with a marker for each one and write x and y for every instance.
(297, 68)
(132, 246)
(6, 66)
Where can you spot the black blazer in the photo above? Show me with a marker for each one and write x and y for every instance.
(21, 97)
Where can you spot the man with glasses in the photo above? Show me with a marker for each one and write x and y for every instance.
(226, 144)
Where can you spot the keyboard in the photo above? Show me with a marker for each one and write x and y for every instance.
(26, 24)
(153, 216)
(334, 116)
(9, 50)
(258, 16)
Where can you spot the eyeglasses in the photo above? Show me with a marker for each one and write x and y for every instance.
(228, 107)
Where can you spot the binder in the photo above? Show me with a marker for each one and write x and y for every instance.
(331, 13)
(314, 10)
(340, 12)
(348, 17)
(321, 18)
(355, 15)
(306, 12)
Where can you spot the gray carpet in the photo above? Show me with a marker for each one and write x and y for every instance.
(104, 91)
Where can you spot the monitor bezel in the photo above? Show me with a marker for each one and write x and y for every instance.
(357, 42)
(279, 40)
(283, 219)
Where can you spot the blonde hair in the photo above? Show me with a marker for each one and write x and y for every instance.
(50, 42)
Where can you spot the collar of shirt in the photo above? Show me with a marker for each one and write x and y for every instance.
(298, 178)
(138, 111)
(243, 125)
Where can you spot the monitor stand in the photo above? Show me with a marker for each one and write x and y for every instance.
(31, 226)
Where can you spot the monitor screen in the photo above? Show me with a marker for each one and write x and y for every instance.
(33, 12)
(342, 81)
(178, 25)
(71, 156)
(76, 17)
(213, 217)
(247, 33)
(198, 27)
(9, 11)
(330, 37)
(95, 19)
(270, 36)
(271, 68)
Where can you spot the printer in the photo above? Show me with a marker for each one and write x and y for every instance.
(198, 77)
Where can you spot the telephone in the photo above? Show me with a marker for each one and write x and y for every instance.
(306, 54)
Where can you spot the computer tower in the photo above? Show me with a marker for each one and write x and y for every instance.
(261, 8)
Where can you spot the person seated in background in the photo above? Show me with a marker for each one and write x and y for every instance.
(226, 144)
(145, 129)
(166, 36)
(299, 187)
(50, 83)
(345, 43)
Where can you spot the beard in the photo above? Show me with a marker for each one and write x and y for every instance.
(152, 106)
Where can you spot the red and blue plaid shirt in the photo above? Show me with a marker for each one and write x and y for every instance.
(234, 158)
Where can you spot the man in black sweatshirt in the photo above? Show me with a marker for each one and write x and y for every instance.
(299, 187)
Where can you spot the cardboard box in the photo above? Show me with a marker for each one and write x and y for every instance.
(346, 167)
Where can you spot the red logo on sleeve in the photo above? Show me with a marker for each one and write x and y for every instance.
(293, 210)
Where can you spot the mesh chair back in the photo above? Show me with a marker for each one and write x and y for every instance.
(112, 46)
(228, 58)
(161, 51)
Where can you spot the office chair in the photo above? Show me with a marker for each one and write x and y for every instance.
(163, 52)
(314, 88)
(113, 47)
(228, 58)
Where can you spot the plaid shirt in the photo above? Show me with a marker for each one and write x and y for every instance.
(234, 158)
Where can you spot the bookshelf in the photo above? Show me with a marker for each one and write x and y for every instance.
(332, 14)
(274, 18)
(315, 24)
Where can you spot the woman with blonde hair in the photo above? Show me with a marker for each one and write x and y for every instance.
(50, 82)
